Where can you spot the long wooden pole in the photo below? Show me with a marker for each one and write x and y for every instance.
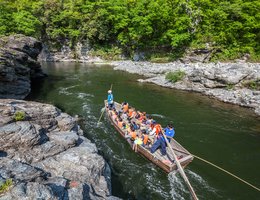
(104, 109)
(181, 169)
(214, 165)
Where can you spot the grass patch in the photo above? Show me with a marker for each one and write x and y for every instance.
(175, 76)
(6, 185)
(19, 116)
(160, 60)
(230, 86)
(253, 85)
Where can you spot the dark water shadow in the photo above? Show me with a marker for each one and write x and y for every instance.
(59, 191)
(3, 154)
(41, 87)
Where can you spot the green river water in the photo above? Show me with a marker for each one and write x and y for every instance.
(224, 134)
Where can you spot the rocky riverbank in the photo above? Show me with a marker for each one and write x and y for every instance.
(228, 82)
(18, 65)
(43, 152)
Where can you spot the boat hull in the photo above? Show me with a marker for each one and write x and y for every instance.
(165, 163)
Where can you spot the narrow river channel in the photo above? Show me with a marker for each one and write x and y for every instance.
(224, 134)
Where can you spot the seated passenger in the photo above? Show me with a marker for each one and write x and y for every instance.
(149, 120)
(124, 116)
(136, 126)
(125, 107)
(131, 133)
(145, 138)
(160, 142)
(120, 123)
(131, 113)
(137, 116)
(138, 141)
(156, 129)
(142, 116)
(114, 115)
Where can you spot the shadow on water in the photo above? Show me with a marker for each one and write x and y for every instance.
(3, 154)
(43, 86)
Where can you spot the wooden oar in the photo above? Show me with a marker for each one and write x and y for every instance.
(181, 169)
(104, 108)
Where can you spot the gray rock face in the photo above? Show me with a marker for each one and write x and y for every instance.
(66, 54)
(224, 81)
(47, 157)
(18, 65)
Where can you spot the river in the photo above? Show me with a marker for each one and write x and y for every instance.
(224, 134)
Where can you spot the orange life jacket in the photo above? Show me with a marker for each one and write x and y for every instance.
(130, 112)
(120, 124)
(158, 128)
(125, 108)
(133, 135)
(145, 139)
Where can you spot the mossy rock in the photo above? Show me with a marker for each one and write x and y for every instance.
(6, 185)
(19, 116)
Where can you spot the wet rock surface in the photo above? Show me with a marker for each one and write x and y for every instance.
(236, 83)
(18, 65)
(46, 155)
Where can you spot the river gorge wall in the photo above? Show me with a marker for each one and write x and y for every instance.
(18, 65)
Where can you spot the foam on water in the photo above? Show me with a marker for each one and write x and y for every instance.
(158, 115)
(156, 185)
(178, 189)
(81, 95)
(86, 108)
(64, 90)
(200, 181)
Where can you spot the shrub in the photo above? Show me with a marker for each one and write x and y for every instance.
(175, 76)
(107, 53)
(19, 115)
(6, 185)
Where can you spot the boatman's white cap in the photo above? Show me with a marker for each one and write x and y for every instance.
(109, 91)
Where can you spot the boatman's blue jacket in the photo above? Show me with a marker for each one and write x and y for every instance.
(169, 132)
(110, 98)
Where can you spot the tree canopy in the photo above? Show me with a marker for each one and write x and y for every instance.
(231, 27)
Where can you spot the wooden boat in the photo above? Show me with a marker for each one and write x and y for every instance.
(164, 162)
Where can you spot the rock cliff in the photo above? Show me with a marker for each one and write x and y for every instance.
(43, 152)
(18, 65)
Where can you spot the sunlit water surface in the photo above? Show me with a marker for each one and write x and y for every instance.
(224, 134)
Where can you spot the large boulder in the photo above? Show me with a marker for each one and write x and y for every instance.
(18, 65)
(46, 156)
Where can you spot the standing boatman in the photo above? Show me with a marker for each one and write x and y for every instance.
(110, 99)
